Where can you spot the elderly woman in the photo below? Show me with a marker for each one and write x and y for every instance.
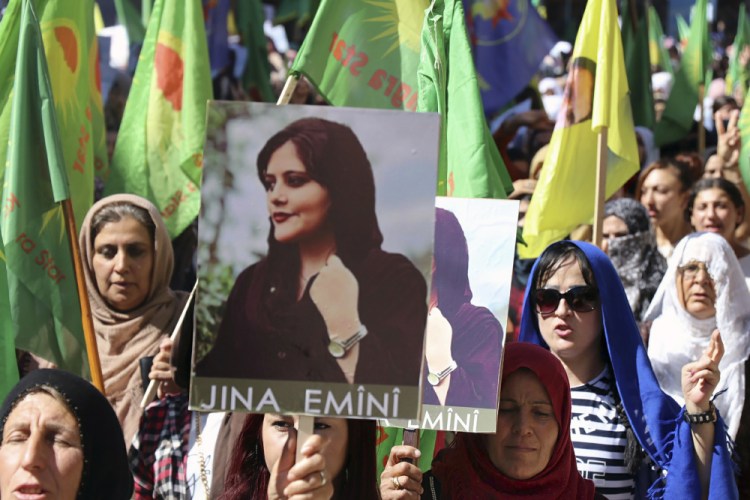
(622, 421)
(631, 246)
(128, 264)
(60, 439)
(703, 290)
(529, 456)
(338, 460)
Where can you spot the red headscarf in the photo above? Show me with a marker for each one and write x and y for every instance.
(465, 469)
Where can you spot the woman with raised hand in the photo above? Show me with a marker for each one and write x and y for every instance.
(326, 304)
(623, 423)
(60, 439)
(529, 456)
(703, 291)
(128, 264)
(338, 460)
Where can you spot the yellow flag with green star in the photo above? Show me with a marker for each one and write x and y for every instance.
(42, 295)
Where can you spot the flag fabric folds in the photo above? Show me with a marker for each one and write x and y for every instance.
(44, 308)
(738, 74)
(509, 40)
(364, 53)
(130, 16)
(256, 78)
(470, 164)
(658, 54)
(635, 46)
(677, 119)
(596, 96)
(744, 125)
(159, 150)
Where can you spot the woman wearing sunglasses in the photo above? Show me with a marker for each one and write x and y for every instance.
(624, 427)
(704, 289)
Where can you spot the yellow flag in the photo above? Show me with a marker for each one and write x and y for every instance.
(596, 96)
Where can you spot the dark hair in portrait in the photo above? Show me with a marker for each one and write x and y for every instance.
(247, 474)
(335, 158)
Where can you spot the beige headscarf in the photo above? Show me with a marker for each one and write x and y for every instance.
(123, 338)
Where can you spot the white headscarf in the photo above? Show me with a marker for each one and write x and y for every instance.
(678, 338)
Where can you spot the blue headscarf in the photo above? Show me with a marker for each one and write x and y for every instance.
(656, 419)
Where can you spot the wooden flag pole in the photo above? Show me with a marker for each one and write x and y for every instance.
(153, 385)
(286, 93)
(701, 125)
(601, 184)
(89, 336)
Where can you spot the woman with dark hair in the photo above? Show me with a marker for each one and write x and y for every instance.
(529, 456)
(60, 438)
(663, 188)
(622, 421)
(339, 460)
(464, 341)
(326, 304)
(716, 206)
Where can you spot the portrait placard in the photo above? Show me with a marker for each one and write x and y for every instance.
(314, 253)
(473, 263)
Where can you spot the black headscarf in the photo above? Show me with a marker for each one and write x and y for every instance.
(106, 473)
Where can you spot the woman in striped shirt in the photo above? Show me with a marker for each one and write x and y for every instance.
(624, 428)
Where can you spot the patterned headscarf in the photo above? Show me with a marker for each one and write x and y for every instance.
(635, 256)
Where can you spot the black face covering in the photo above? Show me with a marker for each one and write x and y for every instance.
(106, 473)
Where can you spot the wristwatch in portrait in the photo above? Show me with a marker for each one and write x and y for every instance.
(338, 348)
(435, 378)
(707, 417)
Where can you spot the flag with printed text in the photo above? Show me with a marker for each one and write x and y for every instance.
(596, 96)
(45, 311)
(364, 53)
(159, 149)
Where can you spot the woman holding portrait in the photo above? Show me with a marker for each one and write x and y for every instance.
(128, 263)
(326, 303)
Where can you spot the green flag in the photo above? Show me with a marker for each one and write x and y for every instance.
(256, 80)
(677, 119)
(364, 53)
(129, 16)
(159, 150)
(45, 311)
(738, 75)
(744, 124)
(635, 46)
(658, 54)
(388, 437)
(301, 12)
(596, 96)
(470, 164)
(683, 30)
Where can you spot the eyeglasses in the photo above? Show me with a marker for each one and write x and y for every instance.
(690, 270)
(579, 298)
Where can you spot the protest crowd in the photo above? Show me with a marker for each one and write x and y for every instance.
(623, 154)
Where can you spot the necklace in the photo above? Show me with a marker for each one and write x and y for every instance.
(201, 457)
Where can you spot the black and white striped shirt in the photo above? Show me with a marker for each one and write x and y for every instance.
(599, 438)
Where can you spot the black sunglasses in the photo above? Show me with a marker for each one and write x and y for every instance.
(579, 298)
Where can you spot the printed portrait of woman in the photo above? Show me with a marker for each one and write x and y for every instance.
(326, 303)
(578, 97)
(464, 341)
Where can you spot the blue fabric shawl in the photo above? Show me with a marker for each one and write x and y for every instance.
(656, 419)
